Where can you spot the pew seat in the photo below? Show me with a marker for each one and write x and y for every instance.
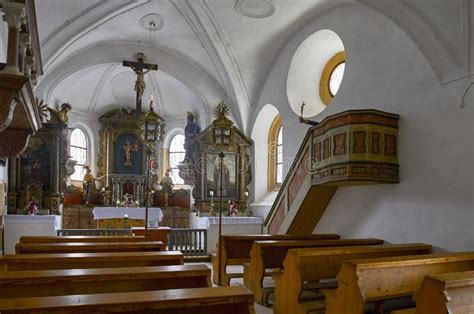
(266, 255)
(446, 293)
(67, 239)
(365, 280)
(311, 265)
(88, 247)
(236, 251)
(40, 283)
(89, 260)
(228, 300)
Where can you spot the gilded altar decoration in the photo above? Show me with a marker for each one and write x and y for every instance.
(221, 136)
(64, 112)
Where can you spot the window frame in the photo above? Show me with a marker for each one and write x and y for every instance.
(86, 148)
(275, 129)
(331, 65)
(169, 153)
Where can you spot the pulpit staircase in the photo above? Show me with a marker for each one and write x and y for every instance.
(355, 147)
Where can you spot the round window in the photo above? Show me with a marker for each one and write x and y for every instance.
(331, 78)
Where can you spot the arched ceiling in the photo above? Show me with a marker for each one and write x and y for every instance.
(206, 50)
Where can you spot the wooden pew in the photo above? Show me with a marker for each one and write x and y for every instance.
(236, 251)
(228, 300)
(366, 280)
(41, 283)
(315, 264)
(270, 254)
(67, 239)
(89, 260)
(446, 293)
(88, 247)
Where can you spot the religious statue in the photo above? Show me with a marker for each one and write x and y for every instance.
(140, 68)
(63, 112)
(233, 211)
(167, 184)
(32, 208)
(88, 185)
(128, 150)
(190, 131)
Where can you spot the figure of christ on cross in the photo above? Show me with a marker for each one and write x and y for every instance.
(140, 68)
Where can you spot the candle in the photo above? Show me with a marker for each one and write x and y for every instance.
(103, 190)
(125, 216)
(211, 193)
(246, 194)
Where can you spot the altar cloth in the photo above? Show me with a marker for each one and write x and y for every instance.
(133, 213)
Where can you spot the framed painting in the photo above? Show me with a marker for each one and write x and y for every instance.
(229, 175)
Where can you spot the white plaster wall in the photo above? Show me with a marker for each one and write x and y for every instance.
(384, 70)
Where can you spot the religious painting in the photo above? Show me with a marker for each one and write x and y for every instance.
(128, 155)
(229, 175)
(35, 164)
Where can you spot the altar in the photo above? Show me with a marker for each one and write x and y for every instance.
(125, 217)
(230, 225)
(16, 226)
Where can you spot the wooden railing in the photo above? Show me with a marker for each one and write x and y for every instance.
(191, 242)
(93, 232)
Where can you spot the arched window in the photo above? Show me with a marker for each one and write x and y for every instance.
(275, 154)
(331, 77)
(78, 152)
(176, 155)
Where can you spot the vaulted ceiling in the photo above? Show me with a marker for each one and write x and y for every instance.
(206, 51)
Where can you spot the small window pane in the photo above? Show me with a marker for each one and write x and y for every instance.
(176, 155)
(78, 152)
(336, 78)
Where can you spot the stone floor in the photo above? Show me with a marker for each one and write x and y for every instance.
(259, 309)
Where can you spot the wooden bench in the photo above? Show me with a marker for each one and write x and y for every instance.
(366, 280)
(40, 283)
(67, 239)
(88, 247)
(446, 293)
(270, 254)
(89, 260)
(315, 264)
(236, 251)
(228, 300)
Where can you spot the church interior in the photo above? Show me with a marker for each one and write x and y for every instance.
(237, 156)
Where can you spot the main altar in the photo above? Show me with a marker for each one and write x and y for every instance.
(126, 217)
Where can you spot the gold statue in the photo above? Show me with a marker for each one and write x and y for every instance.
(167, 184)
(88, 184)
(63, 113)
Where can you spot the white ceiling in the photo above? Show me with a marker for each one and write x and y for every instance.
(207, 50)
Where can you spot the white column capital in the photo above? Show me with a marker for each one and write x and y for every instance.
(14, 13)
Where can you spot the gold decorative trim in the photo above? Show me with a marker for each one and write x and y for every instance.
(324, 91)
(272, 154)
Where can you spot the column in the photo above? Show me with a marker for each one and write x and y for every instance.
(14, 16)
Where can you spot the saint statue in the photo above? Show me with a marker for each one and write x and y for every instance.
(32, 208)
(233, 211)
(167, 184)
(63, 112)
(88, 185)
(127, 156)
(190, 131)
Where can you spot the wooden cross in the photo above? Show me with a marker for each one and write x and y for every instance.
(140, 68)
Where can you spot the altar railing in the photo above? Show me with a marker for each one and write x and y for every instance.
(192, 242)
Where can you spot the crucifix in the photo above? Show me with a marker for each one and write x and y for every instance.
(140, 68)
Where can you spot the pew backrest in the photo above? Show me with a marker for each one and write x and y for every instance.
(39, 283)
(229, 300)
(88, 247)
(446, 293)
(67, 239)
(380, 278)
(315, 264)
(89, 260)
